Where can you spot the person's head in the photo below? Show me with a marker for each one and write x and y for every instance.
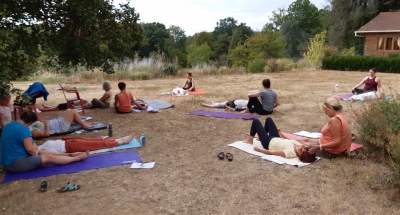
(189, 75)
(231, 103)
(28, 117)
(4, 100)
(106, 86)
(121, 85)
(372, 72)
(331, 106)
(266, 83)
(304, 155)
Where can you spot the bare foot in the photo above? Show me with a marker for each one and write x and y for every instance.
(83, 155)
(249, 140)
(126, 139)
(202, 104)
(87, 125)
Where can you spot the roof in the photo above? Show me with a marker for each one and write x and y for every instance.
(383, 22)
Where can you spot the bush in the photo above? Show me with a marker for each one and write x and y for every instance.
(379, 129)
(169, 70)
(362, 63)
(256, 65)
(222, 69)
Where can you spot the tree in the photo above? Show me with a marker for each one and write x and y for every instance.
(155, 35)
(203, 37)
(294, 37)
(315, 51)
(176, 45)
(307, 15)
(224, 26)
(198, 54)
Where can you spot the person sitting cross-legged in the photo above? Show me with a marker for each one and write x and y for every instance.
(124, 100)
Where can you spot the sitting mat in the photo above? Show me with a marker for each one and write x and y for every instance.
(158, 104)
(197, 92)
(133, 144)
(346, 96)
(92, 162)
(149, 108)
(227, 115)
(76, 127)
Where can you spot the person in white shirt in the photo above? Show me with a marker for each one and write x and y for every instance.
(5, 111)
(231, 105)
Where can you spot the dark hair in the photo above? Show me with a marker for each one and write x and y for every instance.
(373, 69)
(190, 74)
(121, 85)
(28, 117)
(307, 157)
(231, 103)
(266, 83)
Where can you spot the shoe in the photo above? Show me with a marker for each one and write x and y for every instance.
(353, 137)
(229, 156)
(68, 187)
(221, 155)
(43, 186)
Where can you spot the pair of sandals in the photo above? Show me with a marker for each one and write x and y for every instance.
(228, 155)
(69, 187)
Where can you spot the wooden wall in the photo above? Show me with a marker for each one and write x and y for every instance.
(371, 44)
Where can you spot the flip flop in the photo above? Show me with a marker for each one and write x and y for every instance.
(229, 156)
(68, 187)
(43, 186)
(221, 155)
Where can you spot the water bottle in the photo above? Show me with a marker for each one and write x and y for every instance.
(110, 130)
(336, 88)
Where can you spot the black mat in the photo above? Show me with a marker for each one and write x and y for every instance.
(76, 127)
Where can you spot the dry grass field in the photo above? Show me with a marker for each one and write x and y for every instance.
(188, 178)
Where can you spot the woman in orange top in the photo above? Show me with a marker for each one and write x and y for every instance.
(124, 100)
(336, 136)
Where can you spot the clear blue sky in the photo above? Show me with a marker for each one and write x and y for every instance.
(195, 16)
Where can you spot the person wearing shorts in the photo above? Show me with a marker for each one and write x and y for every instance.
(19, 152)
(58, 125)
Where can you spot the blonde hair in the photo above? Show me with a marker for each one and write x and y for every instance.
(106, 86)
(333, 103)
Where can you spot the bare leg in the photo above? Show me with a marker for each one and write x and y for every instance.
(249, 140)
(44, 151)
(246, 111)
(70, 115)
(229, 109)
(45, 107)
(126, 139)
(60, 160)
(214, 104)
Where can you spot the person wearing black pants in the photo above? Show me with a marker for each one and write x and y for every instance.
(275, 144)
(268, 97)
(255, 106)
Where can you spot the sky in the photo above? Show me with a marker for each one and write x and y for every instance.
(194, 16)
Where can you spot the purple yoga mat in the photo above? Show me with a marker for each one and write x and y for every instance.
(346, 96)
(223, 114)
(92, 162)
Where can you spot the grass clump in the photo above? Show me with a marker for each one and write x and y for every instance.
(379, 129)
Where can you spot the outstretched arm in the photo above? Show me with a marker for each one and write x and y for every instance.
(134, 102)
(380, 89)
(269, 152)
(253, 95)
(190, 89)
(116, 101)
(185, 84)
(359, 84)
(276, 102)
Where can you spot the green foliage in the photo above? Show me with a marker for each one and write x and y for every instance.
(221, 46)
(198, 54)
(139, 76)
(379, 129)
(201, 38)
(348, 52)
(155, 35)
(176, 46)
(260, 46)
(222, 69)
(169, 70)
(362, 63)
(315, 51)
(256, 65)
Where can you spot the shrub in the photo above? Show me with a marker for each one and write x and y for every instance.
(379, 128)
(222, 69)
(169, 70)
(256, 65)
(362, 63)
(139, 76)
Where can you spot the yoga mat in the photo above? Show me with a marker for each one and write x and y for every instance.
(158, 104)
(92, 162)
(133, 144)
(353, 146)
(276, 159)
(197, 92)
(76, 127)
(346, 96)
(223, 114)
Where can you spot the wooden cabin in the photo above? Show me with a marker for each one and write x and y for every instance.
(381, 34)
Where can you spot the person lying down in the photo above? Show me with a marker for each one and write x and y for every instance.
(231, 105)
(363, 97)
(76, 145)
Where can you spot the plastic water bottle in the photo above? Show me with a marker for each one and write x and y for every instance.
(336, 88)
(110, 130)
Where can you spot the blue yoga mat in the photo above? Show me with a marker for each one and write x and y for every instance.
(226, 115)
(133, 144)
(92, 162)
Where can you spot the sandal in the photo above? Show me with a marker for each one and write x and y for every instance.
(229, 156)
(43, 186)
(221, 155)
(68, 187)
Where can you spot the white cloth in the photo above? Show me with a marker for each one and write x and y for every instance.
(6, 111)
(366, 96)
(241, 104)
(285, 145)
(57, 125)
(57, 146)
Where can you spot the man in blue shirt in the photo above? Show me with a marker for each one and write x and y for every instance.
(19, 152)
